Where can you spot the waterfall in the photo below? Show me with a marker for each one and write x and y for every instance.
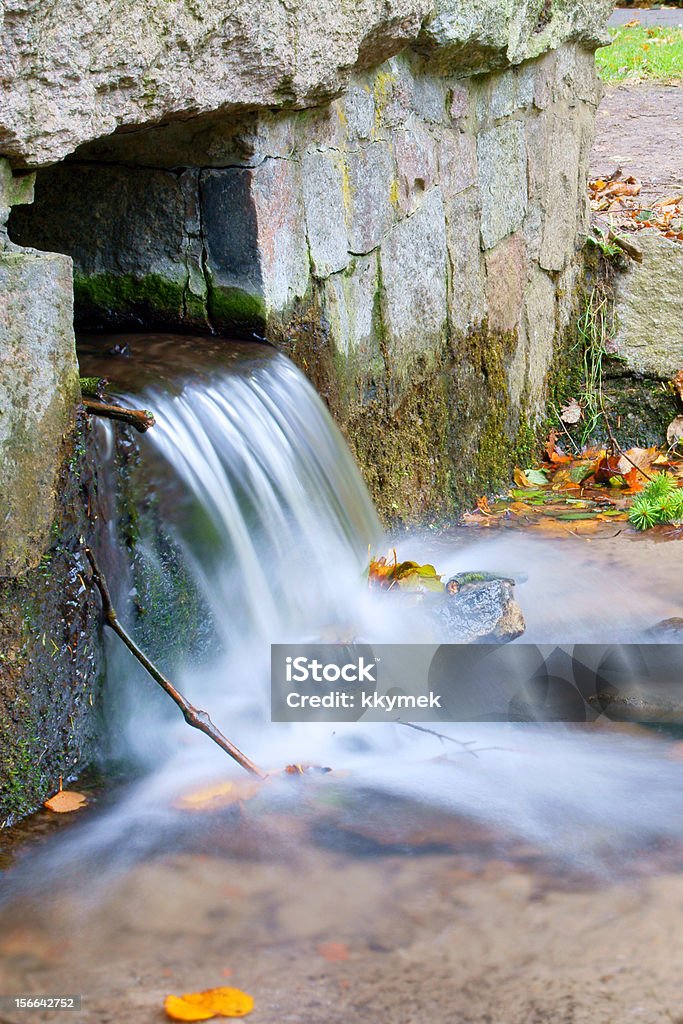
(271, 521)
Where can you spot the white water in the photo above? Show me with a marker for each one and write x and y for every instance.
(285, 527)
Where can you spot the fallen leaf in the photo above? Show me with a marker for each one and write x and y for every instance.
(483, 505)
(520, 479)
(65, 800)
(334, 952)
(643, 458)
(553, 451)
(634, 480)
(213, 1002)
(221, 794)
(571, 412)
(407, 575)
(674, 432)
(677, 383)
(536, 476)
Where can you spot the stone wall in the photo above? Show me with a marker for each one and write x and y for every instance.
(413, 245)
(391, 190)
(49, 647)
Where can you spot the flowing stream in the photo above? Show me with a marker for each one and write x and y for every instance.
(272, 524)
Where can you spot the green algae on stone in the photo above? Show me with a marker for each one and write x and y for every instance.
(234, 307)
(106, 299)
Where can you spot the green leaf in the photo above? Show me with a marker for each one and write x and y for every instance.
(536, 476)
(577, 474)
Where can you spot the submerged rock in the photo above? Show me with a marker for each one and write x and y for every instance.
(479, 608)
(667, 631)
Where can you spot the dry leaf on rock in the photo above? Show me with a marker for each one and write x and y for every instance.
(642, 458)
(213, 1002)
(674, 432)
(65, 800)
(677, 383)
(406, 575)
(571, 412)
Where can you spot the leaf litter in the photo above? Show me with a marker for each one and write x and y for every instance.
(617, 197)
(577, 494)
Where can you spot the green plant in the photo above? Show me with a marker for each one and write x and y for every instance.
(660, 502)
(603, 241)
(595, 328)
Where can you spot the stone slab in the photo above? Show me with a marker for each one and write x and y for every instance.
(38, 391)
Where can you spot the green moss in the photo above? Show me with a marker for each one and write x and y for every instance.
(103, 299)
(429, 435)
(92, 387)
(22, 785)
(233, 307)
(50, 665)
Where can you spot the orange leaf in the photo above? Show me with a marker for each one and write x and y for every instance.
(213, 1002)
(483, 505)
(634, 480)
(335, 952)
(65, 801)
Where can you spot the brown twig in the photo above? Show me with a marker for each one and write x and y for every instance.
(615, 446)
(463, 744)
(193, 716)
(141, 419)
(619, 240)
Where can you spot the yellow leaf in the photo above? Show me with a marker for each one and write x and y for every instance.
(521, 479)
(221, 794)
(213, 1002)
(180, 1008)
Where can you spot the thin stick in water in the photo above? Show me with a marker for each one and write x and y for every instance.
(193, 716)
(141, 419)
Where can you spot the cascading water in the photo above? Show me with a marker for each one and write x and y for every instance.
(273, 524)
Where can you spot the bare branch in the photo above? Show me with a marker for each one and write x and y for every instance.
(193, 716)
(141, 419)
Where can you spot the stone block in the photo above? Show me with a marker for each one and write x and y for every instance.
(556, 186)
(501, 156)
(416, 165)
(357, 110)
(467, 303)
(281, 225)
(323, 189)
(414, 283)
(349, 305)
(540, 324)
(649, 308)
(38, 391)
(370, 191)
(231, 239)
(507, 271)
(457, 156)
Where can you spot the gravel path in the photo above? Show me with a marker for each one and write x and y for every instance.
(639, 128)
(663, 17)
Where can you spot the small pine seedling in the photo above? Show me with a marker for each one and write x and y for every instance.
(660, 502)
